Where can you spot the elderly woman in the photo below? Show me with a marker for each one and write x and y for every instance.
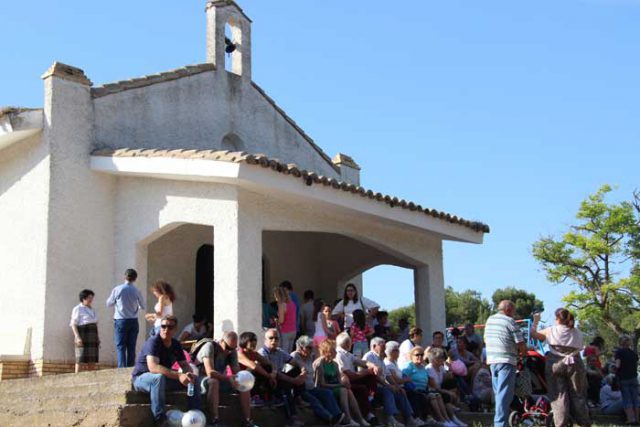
(564, 369)
(327, 377)
(84, 324)
(438, 374)
(424, 395)
(322, 402)
(351, 302)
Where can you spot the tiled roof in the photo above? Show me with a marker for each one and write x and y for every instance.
(310, 178)
(7, 111)
(189, 70)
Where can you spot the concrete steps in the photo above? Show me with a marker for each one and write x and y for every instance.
(105, 399)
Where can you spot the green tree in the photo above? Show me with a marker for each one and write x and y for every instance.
(600, 258)
(408, 312)
(461, 307)
(526, 302)
(466, 306)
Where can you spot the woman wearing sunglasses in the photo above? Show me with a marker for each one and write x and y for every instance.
(423, 396)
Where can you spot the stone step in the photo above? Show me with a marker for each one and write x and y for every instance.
(97, 415)
(120, 376)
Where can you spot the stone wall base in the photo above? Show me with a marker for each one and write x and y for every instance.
(12, 369)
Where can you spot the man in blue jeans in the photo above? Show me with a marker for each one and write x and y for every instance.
(127, 301)
(153, 374)
(503, 340)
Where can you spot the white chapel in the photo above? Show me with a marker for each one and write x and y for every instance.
(195, 176)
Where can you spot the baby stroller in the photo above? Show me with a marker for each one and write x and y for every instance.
(530, 406)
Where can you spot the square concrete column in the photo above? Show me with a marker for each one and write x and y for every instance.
(237, 275)
(429, 296)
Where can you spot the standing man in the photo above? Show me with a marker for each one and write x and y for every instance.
(503, 340)
(127, 301)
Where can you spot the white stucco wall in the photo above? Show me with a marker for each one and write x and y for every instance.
(24, 194)
(80, 221)
(196, 112)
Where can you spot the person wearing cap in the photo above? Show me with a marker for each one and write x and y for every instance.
(127, 300)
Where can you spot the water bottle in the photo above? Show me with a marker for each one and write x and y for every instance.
(190, 389)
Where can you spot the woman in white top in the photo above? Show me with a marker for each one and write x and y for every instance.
(415, 339)
(351, 302)
(564, 370)
(326, 328)
(84, 324)
(164, 307)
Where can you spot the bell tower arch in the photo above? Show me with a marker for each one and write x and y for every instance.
(226, 14)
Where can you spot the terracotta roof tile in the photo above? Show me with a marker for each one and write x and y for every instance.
(291, 169)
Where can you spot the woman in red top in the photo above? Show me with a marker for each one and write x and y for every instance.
(360, 332)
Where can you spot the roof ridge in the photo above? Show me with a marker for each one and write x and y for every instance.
(309, 177)
(150, 79)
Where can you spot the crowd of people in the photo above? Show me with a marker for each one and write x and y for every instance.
(344, 359)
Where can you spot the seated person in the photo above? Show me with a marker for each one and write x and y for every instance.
(383, 329)
(152, 372)
(322, 402)
(258, 365)
(216, 357)
(452, 343)
(284, 383)
(394, 400)
(594, 378)
(468, 358)
(196, 330)
(415, 338)
(362, 382)
(438, 375)
(482, 386)
(423, 394)
(327, 376)
(437, 341)
(611, 396)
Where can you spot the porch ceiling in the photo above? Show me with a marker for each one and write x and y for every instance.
(257, 171)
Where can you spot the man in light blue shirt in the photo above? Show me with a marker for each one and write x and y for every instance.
(127, 300)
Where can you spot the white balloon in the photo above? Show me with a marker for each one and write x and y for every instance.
(245, 380)
(194, 418)
(174, 417)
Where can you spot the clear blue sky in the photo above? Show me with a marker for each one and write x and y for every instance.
(502, 111)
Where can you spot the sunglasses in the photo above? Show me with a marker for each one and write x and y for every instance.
(419, 355)
(168, 327)
(273, 338)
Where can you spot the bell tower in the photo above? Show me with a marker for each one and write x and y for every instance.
(228, 37)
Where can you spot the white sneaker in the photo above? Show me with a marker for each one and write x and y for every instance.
(392, 422)
(364, 423)
(414, 422)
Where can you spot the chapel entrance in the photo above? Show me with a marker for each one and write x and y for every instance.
(204, 282)
(183, 256)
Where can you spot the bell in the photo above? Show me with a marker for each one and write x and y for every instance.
(229, 45)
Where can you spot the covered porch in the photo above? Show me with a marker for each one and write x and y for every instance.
(224, 232)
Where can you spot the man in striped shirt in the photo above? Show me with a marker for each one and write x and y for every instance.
(503, 340)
